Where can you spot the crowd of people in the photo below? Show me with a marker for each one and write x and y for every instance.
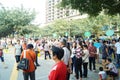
(72, 56)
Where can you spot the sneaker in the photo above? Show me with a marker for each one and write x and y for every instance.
(37, 65)
(94, 70)
(84, 76)
(89, 69)
(17, 69)
(80, 78)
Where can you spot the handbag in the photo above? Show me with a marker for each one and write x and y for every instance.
(96, 56)
(85, 59)
(24, 63)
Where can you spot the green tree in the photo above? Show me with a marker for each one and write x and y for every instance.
(14, 19)
(80, 26)
(93, 7)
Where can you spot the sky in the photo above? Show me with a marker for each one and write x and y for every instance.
(38, 5)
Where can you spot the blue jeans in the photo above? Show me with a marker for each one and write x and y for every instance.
(92, 63)
(78, 67)
(118, 60)
(73, 63)
(2, 58)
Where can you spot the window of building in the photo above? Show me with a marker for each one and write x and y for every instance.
(58, 14)
(49, 16)
(58, 0)
(61, 9)
(52, 18)
(53, 15)
(52, 3)
(53, 10)
(49, 1)
(61, 16)
(49, 5)
(49, 10)
(61, 12)
(58, 10)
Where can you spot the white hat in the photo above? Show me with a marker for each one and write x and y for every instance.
(90, 41)
(1, 47)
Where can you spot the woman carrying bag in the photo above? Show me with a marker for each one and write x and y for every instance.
(31, 56)
(85, 60)
(78, 61)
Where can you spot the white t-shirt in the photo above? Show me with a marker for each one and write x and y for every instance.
(66, 56)
(18, 49)
(35, 46)
(73, 52)
(46, 47)
(86, 56)
(117, 45)
(112, 67)
(103, 74)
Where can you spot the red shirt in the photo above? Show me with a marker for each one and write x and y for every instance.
(58, 72)
(92, 51)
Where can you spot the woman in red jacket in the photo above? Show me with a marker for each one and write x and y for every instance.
(59, 70)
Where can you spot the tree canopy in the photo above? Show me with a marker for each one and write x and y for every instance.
(93, 7)
(95, 25)
(14, 20)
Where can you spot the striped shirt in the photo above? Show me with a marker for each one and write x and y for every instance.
(78, 52)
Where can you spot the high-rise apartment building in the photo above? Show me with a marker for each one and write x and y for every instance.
(53, 13)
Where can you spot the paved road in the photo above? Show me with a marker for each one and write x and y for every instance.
(6, 73)
(41, 73)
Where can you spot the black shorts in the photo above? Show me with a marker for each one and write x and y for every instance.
(17, 57)
(112, 73)
(104, 58)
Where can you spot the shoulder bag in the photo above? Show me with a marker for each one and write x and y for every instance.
(24, 63)
(85, 59)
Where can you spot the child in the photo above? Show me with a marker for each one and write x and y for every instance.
(102, 74)
(1, 57)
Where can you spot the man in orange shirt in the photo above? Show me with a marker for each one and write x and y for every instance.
(31, 56)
